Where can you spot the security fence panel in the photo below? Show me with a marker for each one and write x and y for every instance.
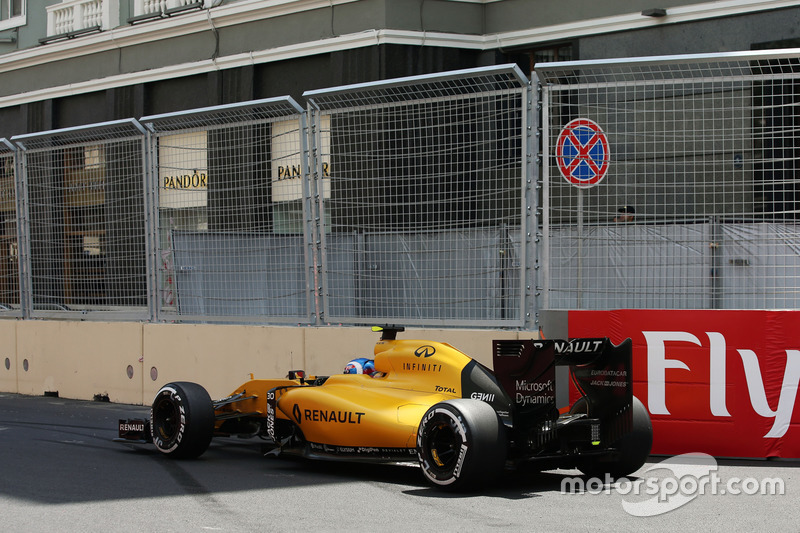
(86, 232)
(233, 218)
(422, 195)
(401, 274)
(671, 182)
(760, 265)
(619, 276)
(9, 239)
(269, 281)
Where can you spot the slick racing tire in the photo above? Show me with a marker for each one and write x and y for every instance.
(461, 445)
(633, 449)
(182, 420)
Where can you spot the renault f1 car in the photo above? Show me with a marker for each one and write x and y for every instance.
(429, 403)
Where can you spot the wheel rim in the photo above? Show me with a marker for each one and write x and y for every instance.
(444, 445)
(165, 420)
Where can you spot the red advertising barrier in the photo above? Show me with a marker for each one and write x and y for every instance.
(719, 382)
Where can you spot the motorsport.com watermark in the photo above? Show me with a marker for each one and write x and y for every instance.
(690, 475)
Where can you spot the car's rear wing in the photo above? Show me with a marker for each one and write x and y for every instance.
(600, 370)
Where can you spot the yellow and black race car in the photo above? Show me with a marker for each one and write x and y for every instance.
(429, 403)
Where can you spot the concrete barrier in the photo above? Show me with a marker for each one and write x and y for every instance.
(78, 359)
(9, 369)
(127, 362)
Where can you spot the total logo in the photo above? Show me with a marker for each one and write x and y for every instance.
(658, 363)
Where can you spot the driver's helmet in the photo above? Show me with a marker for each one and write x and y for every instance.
(362, 365)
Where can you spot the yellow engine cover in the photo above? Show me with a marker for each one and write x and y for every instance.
(361, 411)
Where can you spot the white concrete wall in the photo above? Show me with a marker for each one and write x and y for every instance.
(82, 359)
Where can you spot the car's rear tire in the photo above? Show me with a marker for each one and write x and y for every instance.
(461, 444)
(182, 420)
(632, 449)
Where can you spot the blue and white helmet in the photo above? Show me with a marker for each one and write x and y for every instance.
(362, 365)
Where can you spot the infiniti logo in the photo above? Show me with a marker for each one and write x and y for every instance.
(425, 351)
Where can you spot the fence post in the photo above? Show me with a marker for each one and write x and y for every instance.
(309, 126)
(529, 253)
(23, 233)
(150, 182)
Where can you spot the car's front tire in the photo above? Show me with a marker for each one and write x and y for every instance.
(182, 420)
(461, 444)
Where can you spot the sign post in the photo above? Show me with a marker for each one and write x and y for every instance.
(583, 157)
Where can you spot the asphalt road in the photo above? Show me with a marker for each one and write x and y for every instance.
(60, 471)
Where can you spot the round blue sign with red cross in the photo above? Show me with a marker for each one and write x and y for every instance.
(582, 153)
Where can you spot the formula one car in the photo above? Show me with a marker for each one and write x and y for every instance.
(427, 402)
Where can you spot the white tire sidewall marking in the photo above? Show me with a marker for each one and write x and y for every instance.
(458, 425)
(176, 398)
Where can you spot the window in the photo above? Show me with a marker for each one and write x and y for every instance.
(12, 13)
(527, 59)
(562, 52)
(10, 9)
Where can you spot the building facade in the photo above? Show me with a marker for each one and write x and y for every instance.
(64, 64)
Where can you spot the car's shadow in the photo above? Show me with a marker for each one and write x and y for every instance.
(522, 483)
(512, 485)
(517, 484)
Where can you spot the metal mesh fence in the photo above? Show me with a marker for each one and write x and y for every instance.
(412, 207)
(699, 203)
(86, 220)
(233, 228)
(9, 242)
(421, 193)
(414, 201)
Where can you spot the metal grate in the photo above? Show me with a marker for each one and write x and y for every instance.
(401, 201)
(9, 241)
(233, 224)
(421, 192)
(225, 115)
(705, 150)
(414, 201)
(86, 221)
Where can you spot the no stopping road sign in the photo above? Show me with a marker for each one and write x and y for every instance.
(582, 153)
